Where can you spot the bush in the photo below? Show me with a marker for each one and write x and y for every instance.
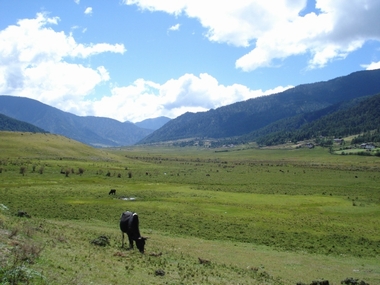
(19, 274)
(14, 269)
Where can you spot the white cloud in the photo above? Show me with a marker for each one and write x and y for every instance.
(275, 30)
(88, 11)
(189, 93)
(36, 68)
(372, 65)
(175, 27)
(77, 1)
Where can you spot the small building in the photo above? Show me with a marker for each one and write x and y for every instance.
(338, 141)
(369, 146)
(309, 145)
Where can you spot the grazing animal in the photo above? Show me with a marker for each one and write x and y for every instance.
(112, 192)
(129, 224)
(23, 214)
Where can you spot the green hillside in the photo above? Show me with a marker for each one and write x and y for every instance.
(45, 145)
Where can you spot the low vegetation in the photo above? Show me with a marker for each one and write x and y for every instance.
(246, 216)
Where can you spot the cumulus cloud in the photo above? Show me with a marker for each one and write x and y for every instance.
(88, 11)
(34, 67)
(372, 65)
(188, 93)
(175, 27)
(280, 30)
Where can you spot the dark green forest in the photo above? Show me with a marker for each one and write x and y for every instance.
(359, 116)
(9, 124)
(362, 118)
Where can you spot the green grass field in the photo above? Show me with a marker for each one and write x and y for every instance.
(259, 216)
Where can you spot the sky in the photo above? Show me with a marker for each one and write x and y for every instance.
(132, 60)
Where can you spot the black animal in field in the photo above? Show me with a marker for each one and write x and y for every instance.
(129, 224)
(112, 192)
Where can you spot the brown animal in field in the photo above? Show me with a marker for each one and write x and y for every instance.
(112, 192)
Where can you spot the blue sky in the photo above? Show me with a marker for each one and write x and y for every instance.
(136, 59)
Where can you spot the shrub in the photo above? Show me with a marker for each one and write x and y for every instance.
(19, 274)
(16, 271)
(101, 241)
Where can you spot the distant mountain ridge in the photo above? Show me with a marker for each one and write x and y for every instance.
(95, 131)
(245, 117)
(153, 124)
(288, 115)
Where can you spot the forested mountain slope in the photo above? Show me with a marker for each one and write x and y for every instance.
(9, 124)
(360, 118)
(292, 124)
(245, 117)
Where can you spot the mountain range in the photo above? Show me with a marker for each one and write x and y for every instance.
(354, 117)
(254, 115)
(95, 131)
(289, 115)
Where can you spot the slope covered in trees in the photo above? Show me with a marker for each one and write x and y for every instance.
(245, 117)
(363, 117)
(9, 124)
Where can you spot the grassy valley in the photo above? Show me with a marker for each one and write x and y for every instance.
(257, 216)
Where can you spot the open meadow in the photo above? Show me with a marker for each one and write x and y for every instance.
(256, 216)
